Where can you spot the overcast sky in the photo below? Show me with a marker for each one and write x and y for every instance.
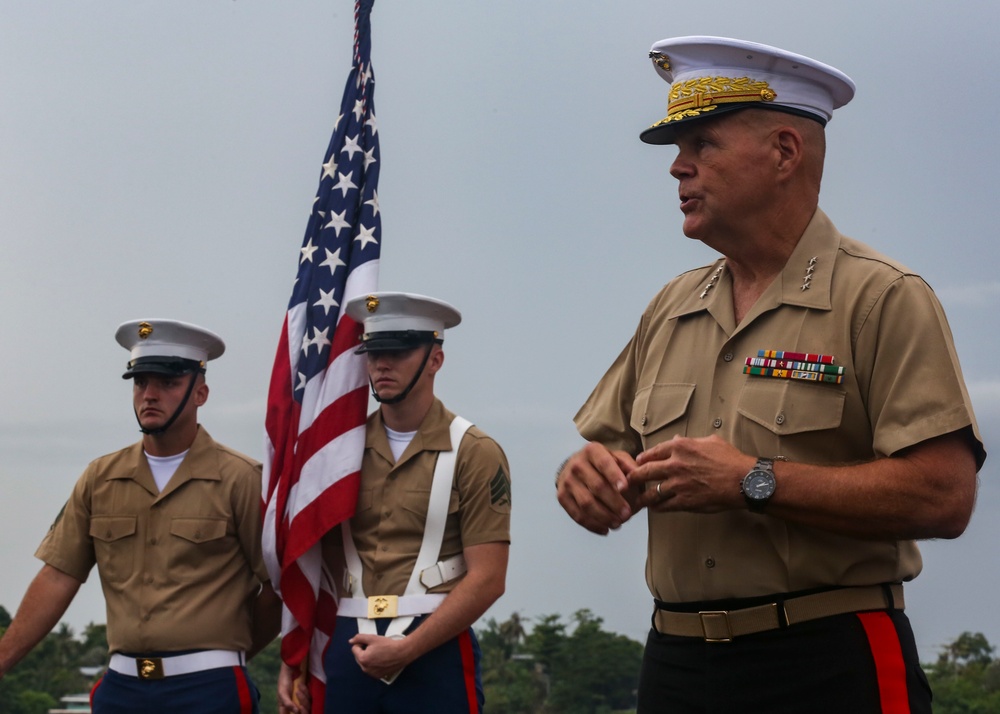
(158, 159)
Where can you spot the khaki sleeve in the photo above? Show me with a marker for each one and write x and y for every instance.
(914, 381)
(484, 488)
(246, 510)
(69, 546)
(606, 415)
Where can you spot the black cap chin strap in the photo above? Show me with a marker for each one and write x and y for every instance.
(402, 395)
(177, 412)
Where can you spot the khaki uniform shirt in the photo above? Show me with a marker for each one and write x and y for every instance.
(682, 374)
(180, 569)
(388, 526)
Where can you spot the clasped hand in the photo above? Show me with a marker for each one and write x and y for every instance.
(601, 489)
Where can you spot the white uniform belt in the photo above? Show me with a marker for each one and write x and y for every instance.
(388, 606)
(171, 666)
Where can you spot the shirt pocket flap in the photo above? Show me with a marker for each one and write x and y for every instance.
(198, 530)
(785, 406)
(112, 528)
(658, 405)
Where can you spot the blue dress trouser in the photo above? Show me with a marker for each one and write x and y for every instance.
(225, 690)
(445, 680)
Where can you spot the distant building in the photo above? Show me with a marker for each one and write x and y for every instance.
(73, 704)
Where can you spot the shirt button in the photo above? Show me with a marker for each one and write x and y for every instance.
(152, 541)
(149, 580)
(728, 356)
(780, 419)
(709, 562)
(717, 423)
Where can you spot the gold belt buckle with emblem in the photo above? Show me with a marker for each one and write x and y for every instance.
(149, 668)
(380, 606)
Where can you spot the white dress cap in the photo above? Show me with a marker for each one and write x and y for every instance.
(154, 342)
(712, 75)
(399, 313)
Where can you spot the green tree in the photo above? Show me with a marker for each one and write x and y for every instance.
(513, 682)
(966, 677)
(50, 671)
(558, 669)
(31, 702)
(596, 672)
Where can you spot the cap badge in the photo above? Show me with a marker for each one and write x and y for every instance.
(145, 330)
(696, 96)
(660, 60)
(372, 303)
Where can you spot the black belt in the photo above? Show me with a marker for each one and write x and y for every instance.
(724, 625)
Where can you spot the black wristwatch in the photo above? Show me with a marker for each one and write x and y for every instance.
(759, 484)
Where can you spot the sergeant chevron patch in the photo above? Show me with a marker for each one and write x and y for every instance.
(500, 489)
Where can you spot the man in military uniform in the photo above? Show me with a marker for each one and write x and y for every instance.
(173, 525)
(426, 552)
(792, 417)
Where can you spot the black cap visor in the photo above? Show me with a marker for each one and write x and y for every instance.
(395, 341)
(663, 132)
(173, 366)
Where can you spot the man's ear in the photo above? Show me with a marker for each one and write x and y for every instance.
(200, 395)
(436, 360)
(790, 147)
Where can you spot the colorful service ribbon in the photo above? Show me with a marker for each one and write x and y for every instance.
(794, 365)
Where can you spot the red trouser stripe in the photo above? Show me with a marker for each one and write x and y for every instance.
(889, 666)
(469, 670)
(94, 689)
(243, 691)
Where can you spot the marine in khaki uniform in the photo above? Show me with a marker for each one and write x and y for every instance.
(173, 525)
(426, 552)
(792, 417)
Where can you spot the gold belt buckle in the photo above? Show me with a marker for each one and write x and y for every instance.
(380, 606)
(710, 626)
(149, 668)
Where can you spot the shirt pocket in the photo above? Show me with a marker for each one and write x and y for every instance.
(114, 546)
(197, 545)
(416, 502)
(659, 412)
(786, 407)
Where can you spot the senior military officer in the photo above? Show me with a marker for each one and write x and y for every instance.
(173, 525)
(792, 416)
(426, 552)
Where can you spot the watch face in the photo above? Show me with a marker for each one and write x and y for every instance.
(758, 485)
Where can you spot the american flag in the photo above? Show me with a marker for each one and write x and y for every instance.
(318, 397)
